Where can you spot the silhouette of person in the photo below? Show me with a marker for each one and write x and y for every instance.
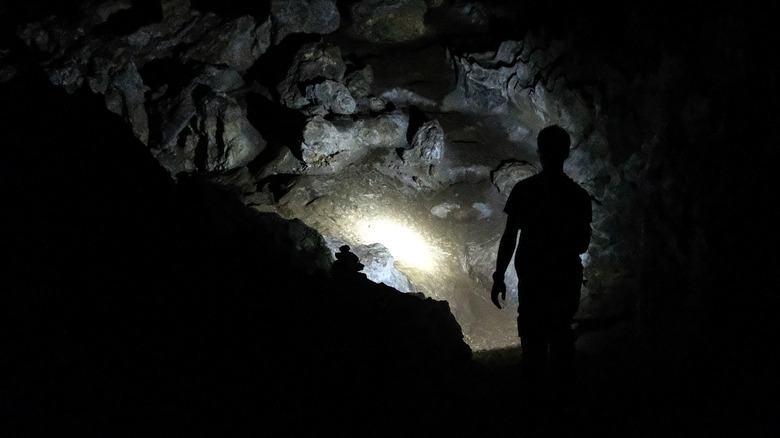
(553, 215)
(347, 265)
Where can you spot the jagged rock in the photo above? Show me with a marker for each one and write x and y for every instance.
(124, 91)
(426, 148)
(343, 141)
(314, 63)
(427, 144)
(510, 173)
(231, 141)
(360, 82)
(238, 44)
(206, 133)
(416, 166)
(332, 97)
(304, 16)
(322, 140)
(389, 21)
(201, 126)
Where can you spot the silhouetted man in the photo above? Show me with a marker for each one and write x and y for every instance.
(553, 215)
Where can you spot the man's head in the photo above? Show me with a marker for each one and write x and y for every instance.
(553, 143)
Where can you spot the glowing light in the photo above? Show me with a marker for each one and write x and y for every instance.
(406, 246)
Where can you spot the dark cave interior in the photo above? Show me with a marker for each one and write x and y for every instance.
(139, 304)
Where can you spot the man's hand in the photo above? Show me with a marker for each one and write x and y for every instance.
(498, 288)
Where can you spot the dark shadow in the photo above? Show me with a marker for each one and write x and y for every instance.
(231, 9)
(278, 184)
(280, 126)
(273, 65)
(169, 72)
(125, 22)
(417, 118)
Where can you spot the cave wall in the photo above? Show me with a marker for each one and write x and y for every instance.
(671, 115)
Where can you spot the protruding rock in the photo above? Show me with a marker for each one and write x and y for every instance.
(343, 141)
(428, 143)
(124, 91)
(332, 97)
(510, 173)
(314, 63)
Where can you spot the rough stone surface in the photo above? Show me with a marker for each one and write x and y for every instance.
(332, 97)
(304, 16)
(314, 63)
(237, 44)
(343, 141)
(510, 173)
(389, 21)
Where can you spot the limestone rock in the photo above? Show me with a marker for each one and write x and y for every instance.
(426, 148)
(322, 140)
(360, 82)
(343, 141)
(331, 96)
(314, 63)
(418, 164)
(427, 144)
(205, 130)
(238, 44)
(389, 21)
(124, 92)
(231, 141)
(304, 16)
(510, 173)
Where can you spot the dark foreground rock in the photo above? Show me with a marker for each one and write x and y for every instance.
(136, 305)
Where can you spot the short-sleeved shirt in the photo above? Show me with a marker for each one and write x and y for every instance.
(554, 215)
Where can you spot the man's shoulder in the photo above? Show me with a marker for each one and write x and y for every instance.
(527, 183)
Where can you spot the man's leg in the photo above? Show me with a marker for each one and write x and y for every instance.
(533, 381)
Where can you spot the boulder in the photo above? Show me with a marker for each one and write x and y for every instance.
(426, 150)
(313, 63)
(331, 96)
(334, 144)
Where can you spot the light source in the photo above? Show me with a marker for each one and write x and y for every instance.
(406, 245)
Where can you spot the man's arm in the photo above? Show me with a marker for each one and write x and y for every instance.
(505, 250)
